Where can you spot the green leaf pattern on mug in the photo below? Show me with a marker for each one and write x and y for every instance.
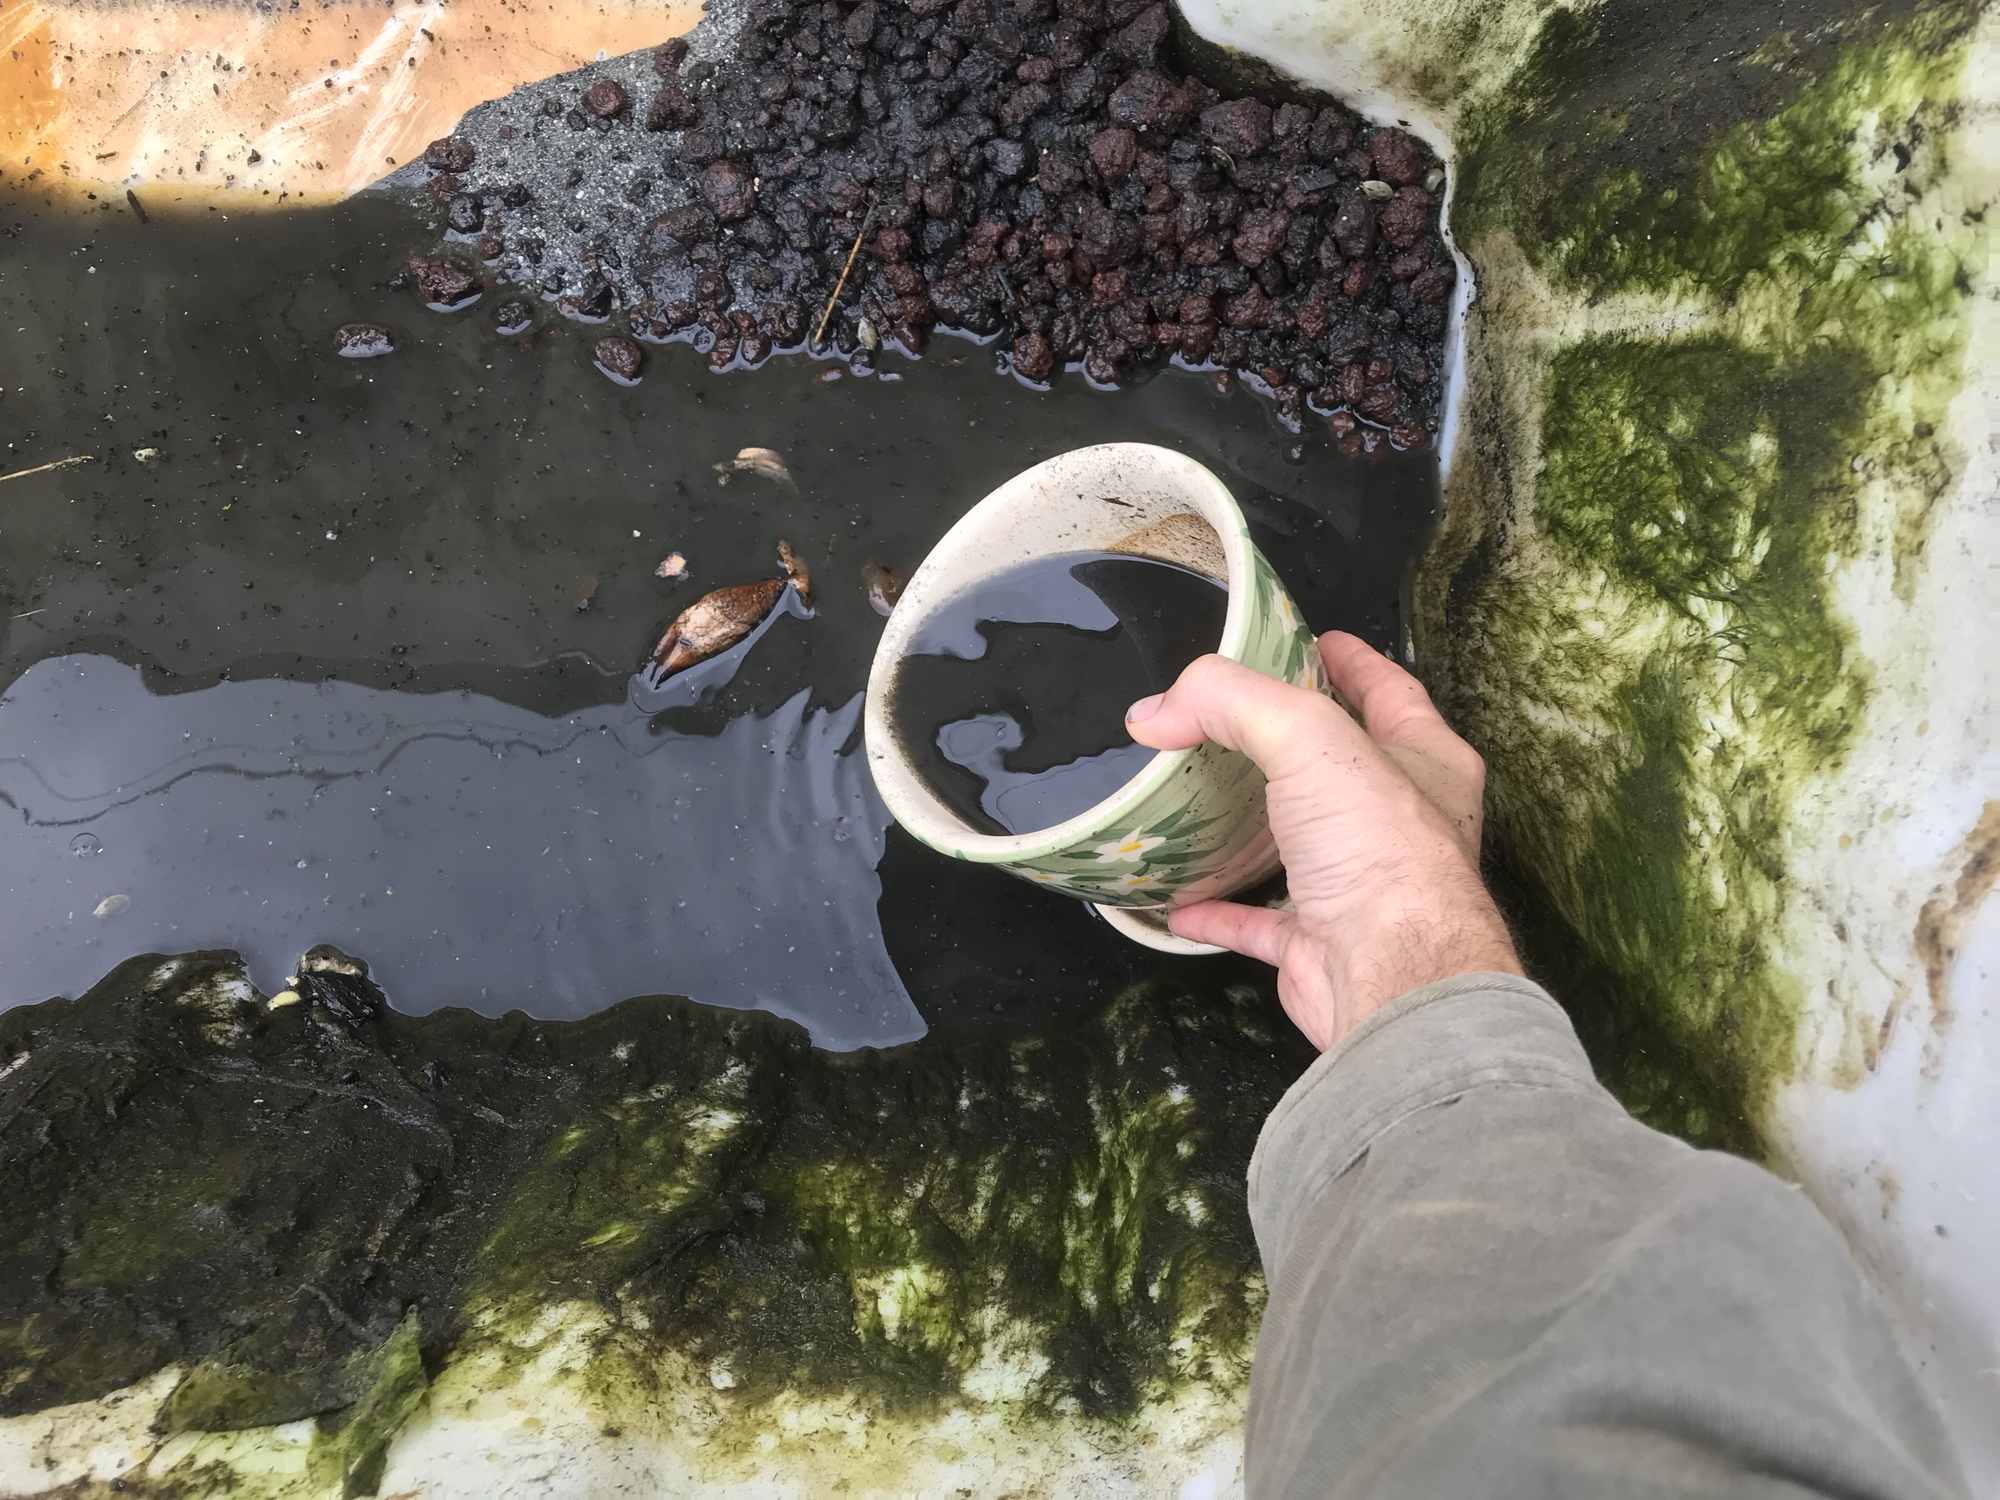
(1192, 832)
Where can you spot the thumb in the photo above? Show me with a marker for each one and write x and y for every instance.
(1258, 932)
(1284, 729)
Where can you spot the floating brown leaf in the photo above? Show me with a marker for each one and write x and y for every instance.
(713, 623)
(884, 585)
(797, 571)
(765, 463)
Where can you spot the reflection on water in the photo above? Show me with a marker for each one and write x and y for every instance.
(508, 857)
(466, 536)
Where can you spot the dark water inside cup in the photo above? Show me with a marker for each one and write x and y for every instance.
(1012, 700)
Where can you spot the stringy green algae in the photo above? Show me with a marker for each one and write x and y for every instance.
(1025, 1221)
(1583, 155)
(1651, 656)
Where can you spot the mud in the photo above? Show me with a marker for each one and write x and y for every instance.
(1042, 176)
(335, 580)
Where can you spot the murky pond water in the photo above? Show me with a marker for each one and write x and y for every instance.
(314, 668)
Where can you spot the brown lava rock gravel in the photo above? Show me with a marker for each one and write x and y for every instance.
(1037, 173)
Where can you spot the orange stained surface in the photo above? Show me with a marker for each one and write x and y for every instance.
(291, 99)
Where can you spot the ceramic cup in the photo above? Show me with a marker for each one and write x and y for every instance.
(1191, 825)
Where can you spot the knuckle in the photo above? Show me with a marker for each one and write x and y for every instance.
(1311, 717)
(1203, 673)
(1320, 715)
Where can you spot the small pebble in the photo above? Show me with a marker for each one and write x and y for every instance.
(729, 190)
(355, 341)
(442, 282)
(451, 153)
(513, 315)
(604, 99)
(619, 357)
(1034, 357)
(1398, 156)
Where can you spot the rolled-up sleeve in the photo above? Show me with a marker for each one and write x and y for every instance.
(1487, 1279)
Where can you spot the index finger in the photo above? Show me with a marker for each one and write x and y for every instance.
(1284, 729)
(1392, 704)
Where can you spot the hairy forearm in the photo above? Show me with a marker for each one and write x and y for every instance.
(1401, 946)
(1399, 942)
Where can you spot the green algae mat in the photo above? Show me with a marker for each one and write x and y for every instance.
(339, 1219)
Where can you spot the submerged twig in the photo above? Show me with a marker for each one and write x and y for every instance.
(60, 463)
(839, 286)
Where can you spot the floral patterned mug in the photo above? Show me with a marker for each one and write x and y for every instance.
(1189, 826)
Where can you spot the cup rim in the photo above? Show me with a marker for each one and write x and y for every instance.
(913, 805)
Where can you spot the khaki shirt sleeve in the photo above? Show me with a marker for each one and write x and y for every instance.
(1486, 1279)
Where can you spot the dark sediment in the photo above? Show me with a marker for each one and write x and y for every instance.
(1038, 174)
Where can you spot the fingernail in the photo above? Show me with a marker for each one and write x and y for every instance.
(1144, 709)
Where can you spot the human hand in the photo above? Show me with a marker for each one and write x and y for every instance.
(1377, 822)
